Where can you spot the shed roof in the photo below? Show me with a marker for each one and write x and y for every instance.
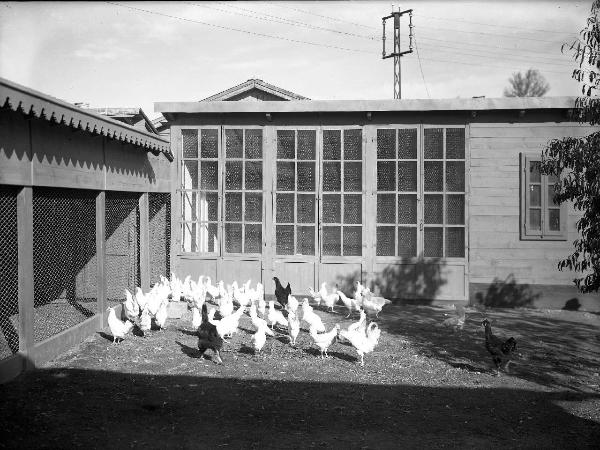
(471, 104)
(36, 104)
(254, 84)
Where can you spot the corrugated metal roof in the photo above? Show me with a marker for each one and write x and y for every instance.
(43, 106)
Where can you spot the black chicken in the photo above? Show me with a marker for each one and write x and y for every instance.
(281, 293)
(500, 350)
(208, 336)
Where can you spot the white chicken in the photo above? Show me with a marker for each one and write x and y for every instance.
(293, 327)
(324, 340)
(241, 297)
(130, 307)
(260, 338)
(329, 299)
(256, 321)
(275, 317)
(225, 305)
(315, 296)
(118, 328)
(213, 291)
(311, 318)
(361, 324)
(348, 302)
(262, 305)
(145, 321)
(229, 325)
(363, 342)
(358, 294)
(373, 304)
(456, 321)
(140, 298)
(196, 317)
(161, 315)
(292, 304)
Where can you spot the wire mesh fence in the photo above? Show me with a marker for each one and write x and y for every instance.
(9, 276)
(64, 259)
(160, 235)
(122, 264)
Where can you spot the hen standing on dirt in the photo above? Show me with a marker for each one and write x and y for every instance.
(281, 293)
(208, 337)
(500, 350)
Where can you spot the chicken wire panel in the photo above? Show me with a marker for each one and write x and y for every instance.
(332, 237)
(352, 176)
(189, 176)
(455, 143)
(332, 208)
(209, 175)
(386, 208)
(353, 209)
(286, 144)
(234, 142)
(352, 241)
(159, 213)
(433, 208)
(306, 176)
(64, 259)
(386, 143)
(386, 241)
(332, 179)
(455, 209)
(253, 176)
(455, 176)
(305, 208)
(9, 272)
(433, 239)
(233, 237)
(407, 176)
(209, 143)
(455, 242)
(286, 176)
(122, 221)
(434, 143)
(407, 242)
(386, 175)
(305, 240)
(353, 144)
(434, 175)
(284, 239)
(233, 175)
(253, 207)
(189, 139)
(407, 208)
(332, 144)
(253, 144)
(407, 143)
(233, 206)
(307, 144)
(284, 208)
(252, 238)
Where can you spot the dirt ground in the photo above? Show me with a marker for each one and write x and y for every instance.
(425, 386)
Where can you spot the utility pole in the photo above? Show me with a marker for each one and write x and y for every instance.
(397, 54)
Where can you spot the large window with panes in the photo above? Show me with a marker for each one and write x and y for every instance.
(541, 218)
(420, 192)
(221, 191)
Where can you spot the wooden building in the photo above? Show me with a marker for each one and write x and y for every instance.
(84, 214)
(421, 199)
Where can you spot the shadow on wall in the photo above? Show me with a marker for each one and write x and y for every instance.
(507, 294)
(419, 282)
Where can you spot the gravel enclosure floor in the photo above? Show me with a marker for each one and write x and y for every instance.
(425, 386)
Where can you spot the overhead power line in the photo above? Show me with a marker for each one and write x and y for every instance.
(337, 19)
(485, 33)
(421, 67)
(272, 36)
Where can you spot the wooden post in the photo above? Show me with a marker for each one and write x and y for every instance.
(101, 256)
(25, 270)
(268, 236)
(144, 242)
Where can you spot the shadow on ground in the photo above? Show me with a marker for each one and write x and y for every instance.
(63, 408)
(558, 348)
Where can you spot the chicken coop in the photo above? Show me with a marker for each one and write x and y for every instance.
(435, 200)
(85, 212)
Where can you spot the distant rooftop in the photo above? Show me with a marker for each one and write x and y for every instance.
(255, 90)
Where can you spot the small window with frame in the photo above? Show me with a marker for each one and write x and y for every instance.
(541, 218)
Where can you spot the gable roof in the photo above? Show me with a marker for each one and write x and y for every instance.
(255, 89)
(42, 106)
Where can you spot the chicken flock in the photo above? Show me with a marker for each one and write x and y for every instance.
(233, 301)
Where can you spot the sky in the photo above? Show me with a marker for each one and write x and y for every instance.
(132, 54)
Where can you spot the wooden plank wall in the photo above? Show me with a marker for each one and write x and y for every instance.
(496, 250)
